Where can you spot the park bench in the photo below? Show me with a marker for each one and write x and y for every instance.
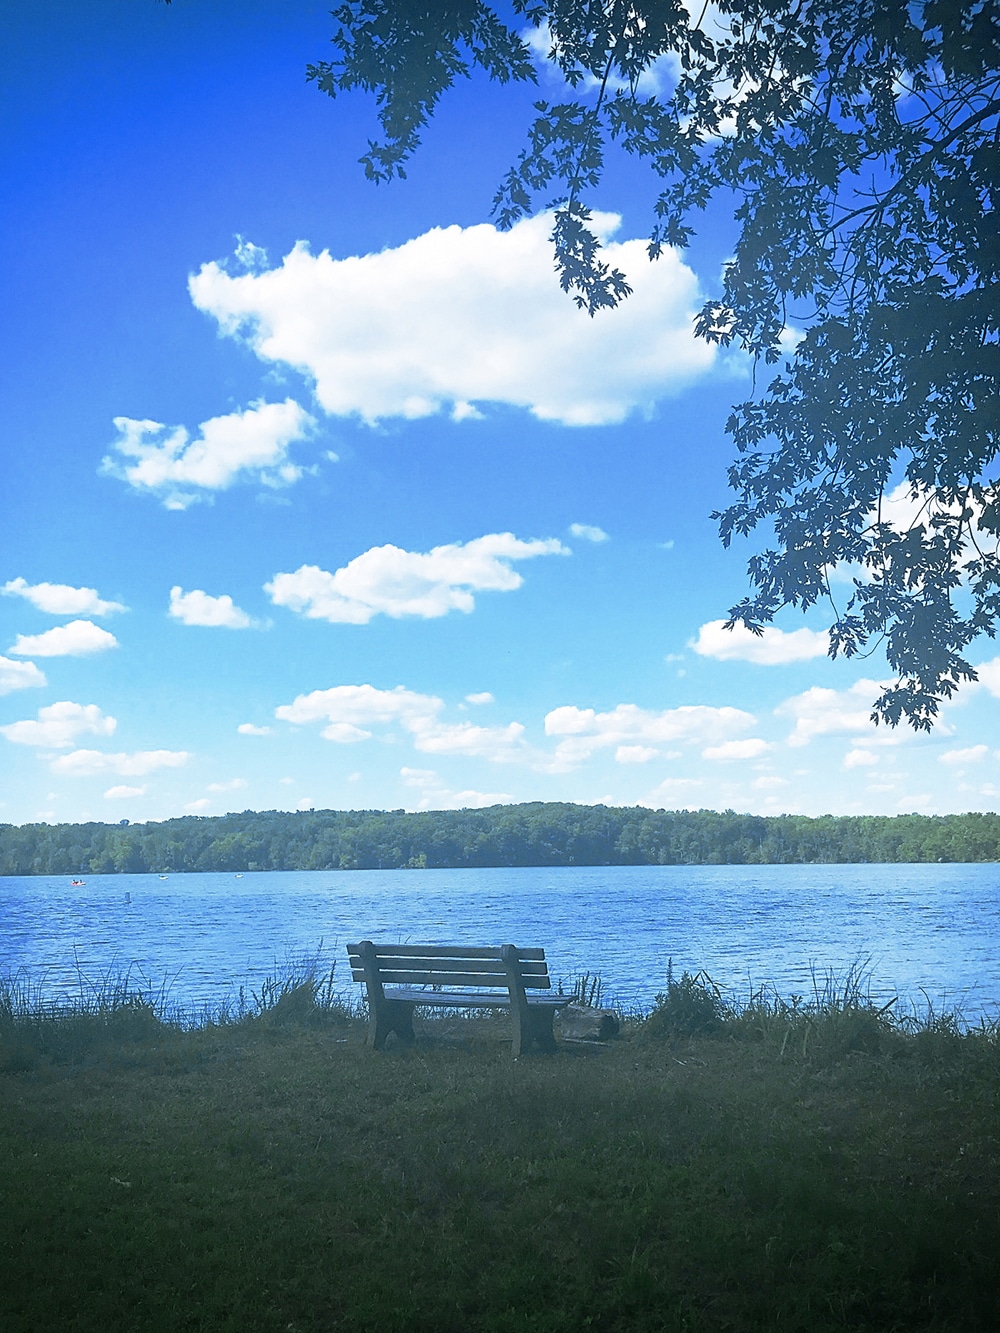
(399, 977)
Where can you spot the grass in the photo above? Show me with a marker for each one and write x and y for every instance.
(814, 1163)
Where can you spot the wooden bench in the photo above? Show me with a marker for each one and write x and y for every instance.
(455, 976)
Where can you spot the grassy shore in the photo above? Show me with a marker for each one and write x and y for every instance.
(800, 1164)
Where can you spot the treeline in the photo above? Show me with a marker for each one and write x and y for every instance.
(536, 834)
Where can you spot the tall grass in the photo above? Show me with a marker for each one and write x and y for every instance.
(121, 1008)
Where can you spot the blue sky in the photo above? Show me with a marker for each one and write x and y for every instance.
(321, 494)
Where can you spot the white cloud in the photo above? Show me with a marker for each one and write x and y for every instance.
(654, 81)
(202, 803)
(973, 754)
(460, 316)
(769, 782)
(751, 748)
(59, 599)
(587, 533)
(234, 784)
(77, 639)
(178, 470)
(351, 712)
(123, 793)
(86, 763)
(860, 759)
(586, 731)
(989, 676)
(499, 744)
(306, 803)
(484, 697)
(19, 676)
(824, 712)
(59, 724)
(635, 754)
(200, 608)
(671, 789)
(435, 795)
(771, 648)
(349, 709)
(919, 804)
(389, 581)
(248, 729)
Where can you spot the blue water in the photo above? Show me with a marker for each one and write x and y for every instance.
(928, 930)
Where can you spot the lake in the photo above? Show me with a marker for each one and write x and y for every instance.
(927, 930)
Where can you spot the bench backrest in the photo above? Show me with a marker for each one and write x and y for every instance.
(449, 965)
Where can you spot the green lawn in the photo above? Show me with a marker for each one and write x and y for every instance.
(268, 1175)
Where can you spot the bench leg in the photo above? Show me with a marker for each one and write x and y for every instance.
(390, 1016)
(532, 1028)
(541, 1028)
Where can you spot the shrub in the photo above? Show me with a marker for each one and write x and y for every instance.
(690, 1007)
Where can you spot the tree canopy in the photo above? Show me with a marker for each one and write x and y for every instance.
(538, 833)
(859, 144)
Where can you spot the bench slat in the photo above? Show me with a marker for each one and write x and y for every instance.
(469, 999)
(423, 976)
(461, 951)
(424, 963)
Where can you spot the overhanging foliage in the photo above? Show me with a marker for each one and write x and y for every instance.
(859, 141)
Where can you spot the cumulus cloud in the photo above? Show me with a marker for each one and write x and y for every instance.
(973, 754)
(635, 754)
(60, 599)
(773, 647)
(253, 444)
(435, 795)
(499, 744)
(858, 758)
(353, 712)
(200, 608)
(989, 676)
(824, 712)
(79, 638)
(460, 316)
(484, 697)
(655, 80)
(249, 729)
(86, 763)
(58, 726)
(588, 533)
(19, 676)
(234, 784)
(671, 790)
(751, 748)
(389, 581)
(584, 731)
(124, 793)
(769, 782)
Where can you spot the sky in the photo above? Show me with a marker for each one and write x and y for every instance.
(320, 494)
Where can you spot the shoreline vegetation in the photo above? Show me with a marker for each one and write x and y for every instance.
(817, 1162)
(531, 834)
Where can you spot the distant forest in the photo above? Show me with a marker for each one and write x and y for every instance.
(536, 834)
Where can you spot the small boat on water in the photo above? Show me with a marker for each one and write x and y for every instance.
(163, 877)
(77, 883)
(239, 874)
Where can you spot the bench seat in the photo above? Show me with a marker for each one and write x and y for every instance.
(467, 999)
(401, 977)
